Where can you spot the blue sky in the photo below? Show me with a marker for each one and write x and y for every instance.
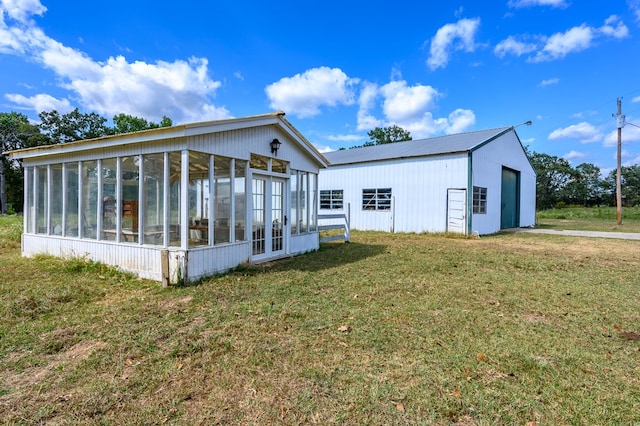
(339, 68)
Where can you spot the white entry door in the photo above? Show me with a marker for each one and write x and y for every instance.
(457, 211)
(270, 222)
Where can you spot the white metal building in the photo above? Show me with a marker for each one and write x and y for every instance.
(476, 182)
(175, 203)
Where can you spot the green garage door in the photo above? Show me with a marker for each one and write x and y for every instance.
(510, 199)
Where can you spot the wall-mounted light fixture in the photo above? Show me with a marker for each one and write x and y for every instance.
(275, 145)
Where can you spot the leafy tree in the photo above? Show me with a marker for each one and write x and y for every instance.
(124, 123)
(630, 184)
(384, 135)
(587, 187)
(15, 132)
(73, 126)
(553, 175)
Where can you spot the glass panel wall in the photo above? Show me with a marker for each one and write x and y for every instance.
(109, 198)
(294, 202)
(198, 199)
(239, 189)
(259, 194)
(278, 166)
(175, 176)
(313, 201)
(222, 199)
(259, 162)
(302, 191)
(89, 206)
(129, 218)
(153, 201)
(95, 194)
(41, 199)
(71, 200)
(55, 224)
(30, 214)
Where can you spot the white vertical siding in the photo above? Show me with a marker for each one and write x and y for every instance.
(419, 189)
(207, 261)
(488, 162)
(143, 261)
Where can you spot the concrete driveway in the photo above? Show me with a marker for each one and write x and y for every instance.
(595, 234)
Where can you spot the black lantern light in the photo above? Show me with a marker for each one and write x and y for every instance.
(275, 145)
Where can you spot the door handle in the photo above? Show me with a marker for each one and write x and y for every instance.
(285, 220)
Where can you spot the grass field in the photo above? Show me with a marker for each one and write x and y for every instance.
(590, 219)
(510, 329)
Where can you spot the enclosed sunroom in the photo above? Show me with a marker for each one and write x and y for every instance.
(178, 203)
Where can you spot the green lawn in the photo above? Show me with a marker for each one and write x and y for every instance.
(388, 329)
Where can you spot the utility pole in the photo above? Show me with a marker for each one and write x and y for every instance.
(619, 173)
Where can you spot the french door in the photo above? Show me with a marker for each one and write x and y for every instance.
(270, 223)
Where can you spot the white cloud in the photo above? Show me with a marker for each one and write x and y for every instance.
(583, 132)
(630, 133)
(303, 94)
(634, 7)
(180, 90)
(409, 107)
(367, 102)
(636, 99)
(549, 82)
(614, 27)
(514, 47)
(41, 102)
(21, 10)
(345, 138)
(559, 45)
(528, 3)
(573, 155)
(403, 103)
(451, 37)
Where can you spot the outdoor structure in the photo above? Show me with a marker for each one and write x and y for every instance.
(177, 203)
(470, 183)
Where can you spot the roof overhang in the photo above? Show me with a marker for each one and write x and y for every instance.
(173, 132)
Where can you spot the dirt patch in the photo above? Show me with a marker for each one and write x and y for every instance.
(535, 318)
(71, 357)
(175, 303)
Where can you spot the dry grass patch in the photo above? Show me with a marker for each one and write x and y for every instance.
(389, 329)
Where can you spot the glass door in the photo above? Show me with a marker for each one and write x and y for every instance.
(270, 227)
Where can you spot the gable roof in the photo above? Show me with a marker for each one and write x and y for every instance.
(177, 131)
(449, 144)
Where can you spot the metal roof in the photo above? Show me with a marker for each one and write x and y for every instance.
(449, 144)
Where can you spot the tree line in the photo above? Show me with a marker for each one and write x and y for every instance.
(559, 184)
(17, 132)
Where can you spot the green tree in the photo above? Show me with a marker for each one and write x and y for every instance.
(124, 123)
(587, 186)
(73, 126)
(15, 133)
(384, 135)
(553, 175)
(630, 184)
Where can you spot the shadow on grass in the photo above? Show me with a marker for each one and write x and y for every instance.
(334, 254)
(329, 255)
